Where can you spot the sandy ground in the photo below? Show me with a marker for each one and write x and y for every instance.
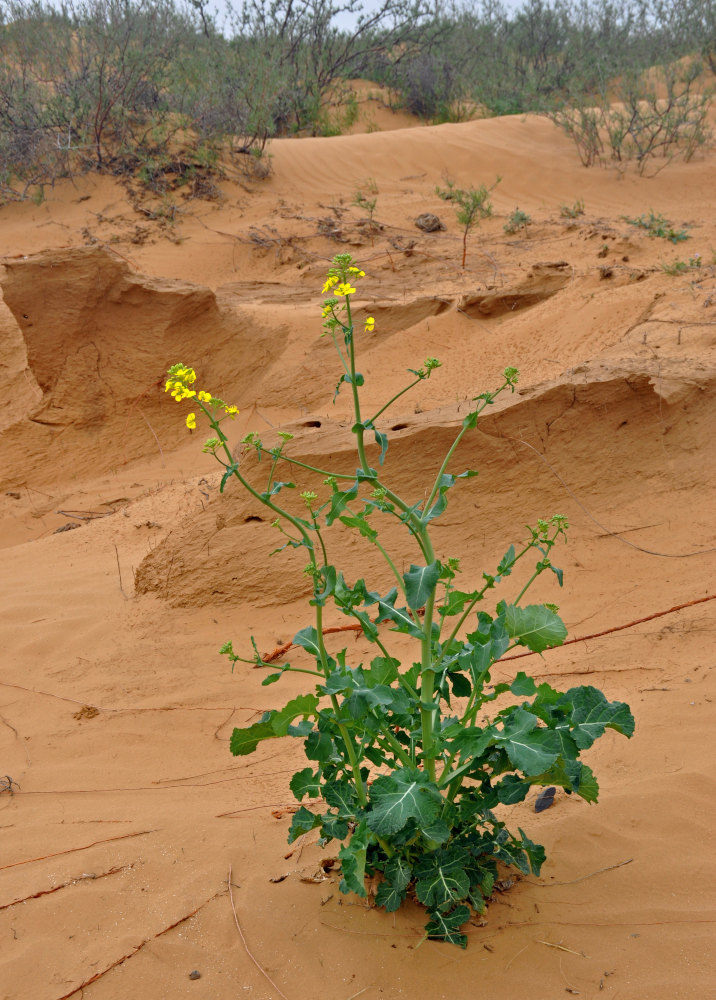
(115, 707)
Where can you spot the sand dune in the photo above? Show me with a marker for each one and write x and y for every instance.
(126, 810)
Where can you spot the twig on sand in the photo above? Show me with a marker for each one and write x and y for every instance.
(582, 878)
(130, 954)
(72, 850)
(261, 969)
(516, 956)
(64, 885)
(116, 552)
(561, 947)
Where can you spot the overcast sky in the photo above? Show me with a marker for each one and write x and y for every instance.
(219, 8)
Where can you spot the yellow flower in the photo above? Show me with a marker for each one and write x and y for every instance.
(357, 271)
(231, 411)
(345, 289)
(331, 280)
(204, 397)
(326, 311)
(191, 421)
(369, 324)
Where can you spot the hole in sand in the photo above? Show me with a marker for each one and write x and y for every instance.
(398, 427)
(311, 423)
(253, 517)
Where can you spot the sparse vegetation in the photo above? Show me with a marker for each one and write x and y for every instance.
(163, 92)
(677, 267)
(658, 227)
(516, 221)
(572, 211)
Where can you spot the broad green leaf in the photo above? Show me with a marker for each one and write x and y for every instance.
(592, 713)
(245, 741)
(304, 704)
(303, 821)
(352, 857)
(333, 828)
(305, 782)
(437, 831)
(530, 749)
(398, 872)
(446, 926)
(461, 686)
(308, 638)
(512, 789)
(535, 852)
(319, 746)
(389, 897)
(420, 582)
(440, 880)
(383, 670)
(399, 797)
(341, 795)
(523, 685)
(535, 626)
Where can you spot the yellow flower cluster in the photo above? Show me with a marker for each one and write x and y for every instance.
(369, 324)
(180, 380)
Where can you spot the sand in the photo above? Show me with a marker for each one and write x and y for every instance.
(115, 707)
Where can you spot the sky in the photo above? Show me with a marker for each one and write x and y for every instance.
(219, 8)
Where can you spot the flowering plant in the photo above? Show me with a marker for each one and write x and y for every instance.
(407, 766)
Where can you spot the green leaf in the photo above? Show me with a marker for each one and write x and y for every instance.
(399, 616)
(389, 897)
(420, 582)
(341, 795)
(352, 857)
(512, 789)
(383, 670)
(523, 685)
(358, 521)
(535, 626)
(535, 852)
(245, 741)
(446, 926)
(504, 567)
(339, 502)
(304, 704)
(440, 879)
(308, 638)
(305, 782)
(392, 891)
(399, 797)
(530, 749)
(303, 821)
(592, 713)
(319, 746)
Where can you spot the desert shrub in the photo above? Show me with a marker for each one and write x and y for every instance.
(408, 760)
(646, 120)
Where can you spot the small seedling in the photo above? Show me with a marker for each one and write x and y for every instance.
(516, 221)
(368, 204)
(572, 211)
(682, 266)
(658, 226)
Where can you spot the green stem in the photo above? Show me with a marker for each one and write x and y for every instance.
(428, 716)
(345, 735)
(391, 401)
